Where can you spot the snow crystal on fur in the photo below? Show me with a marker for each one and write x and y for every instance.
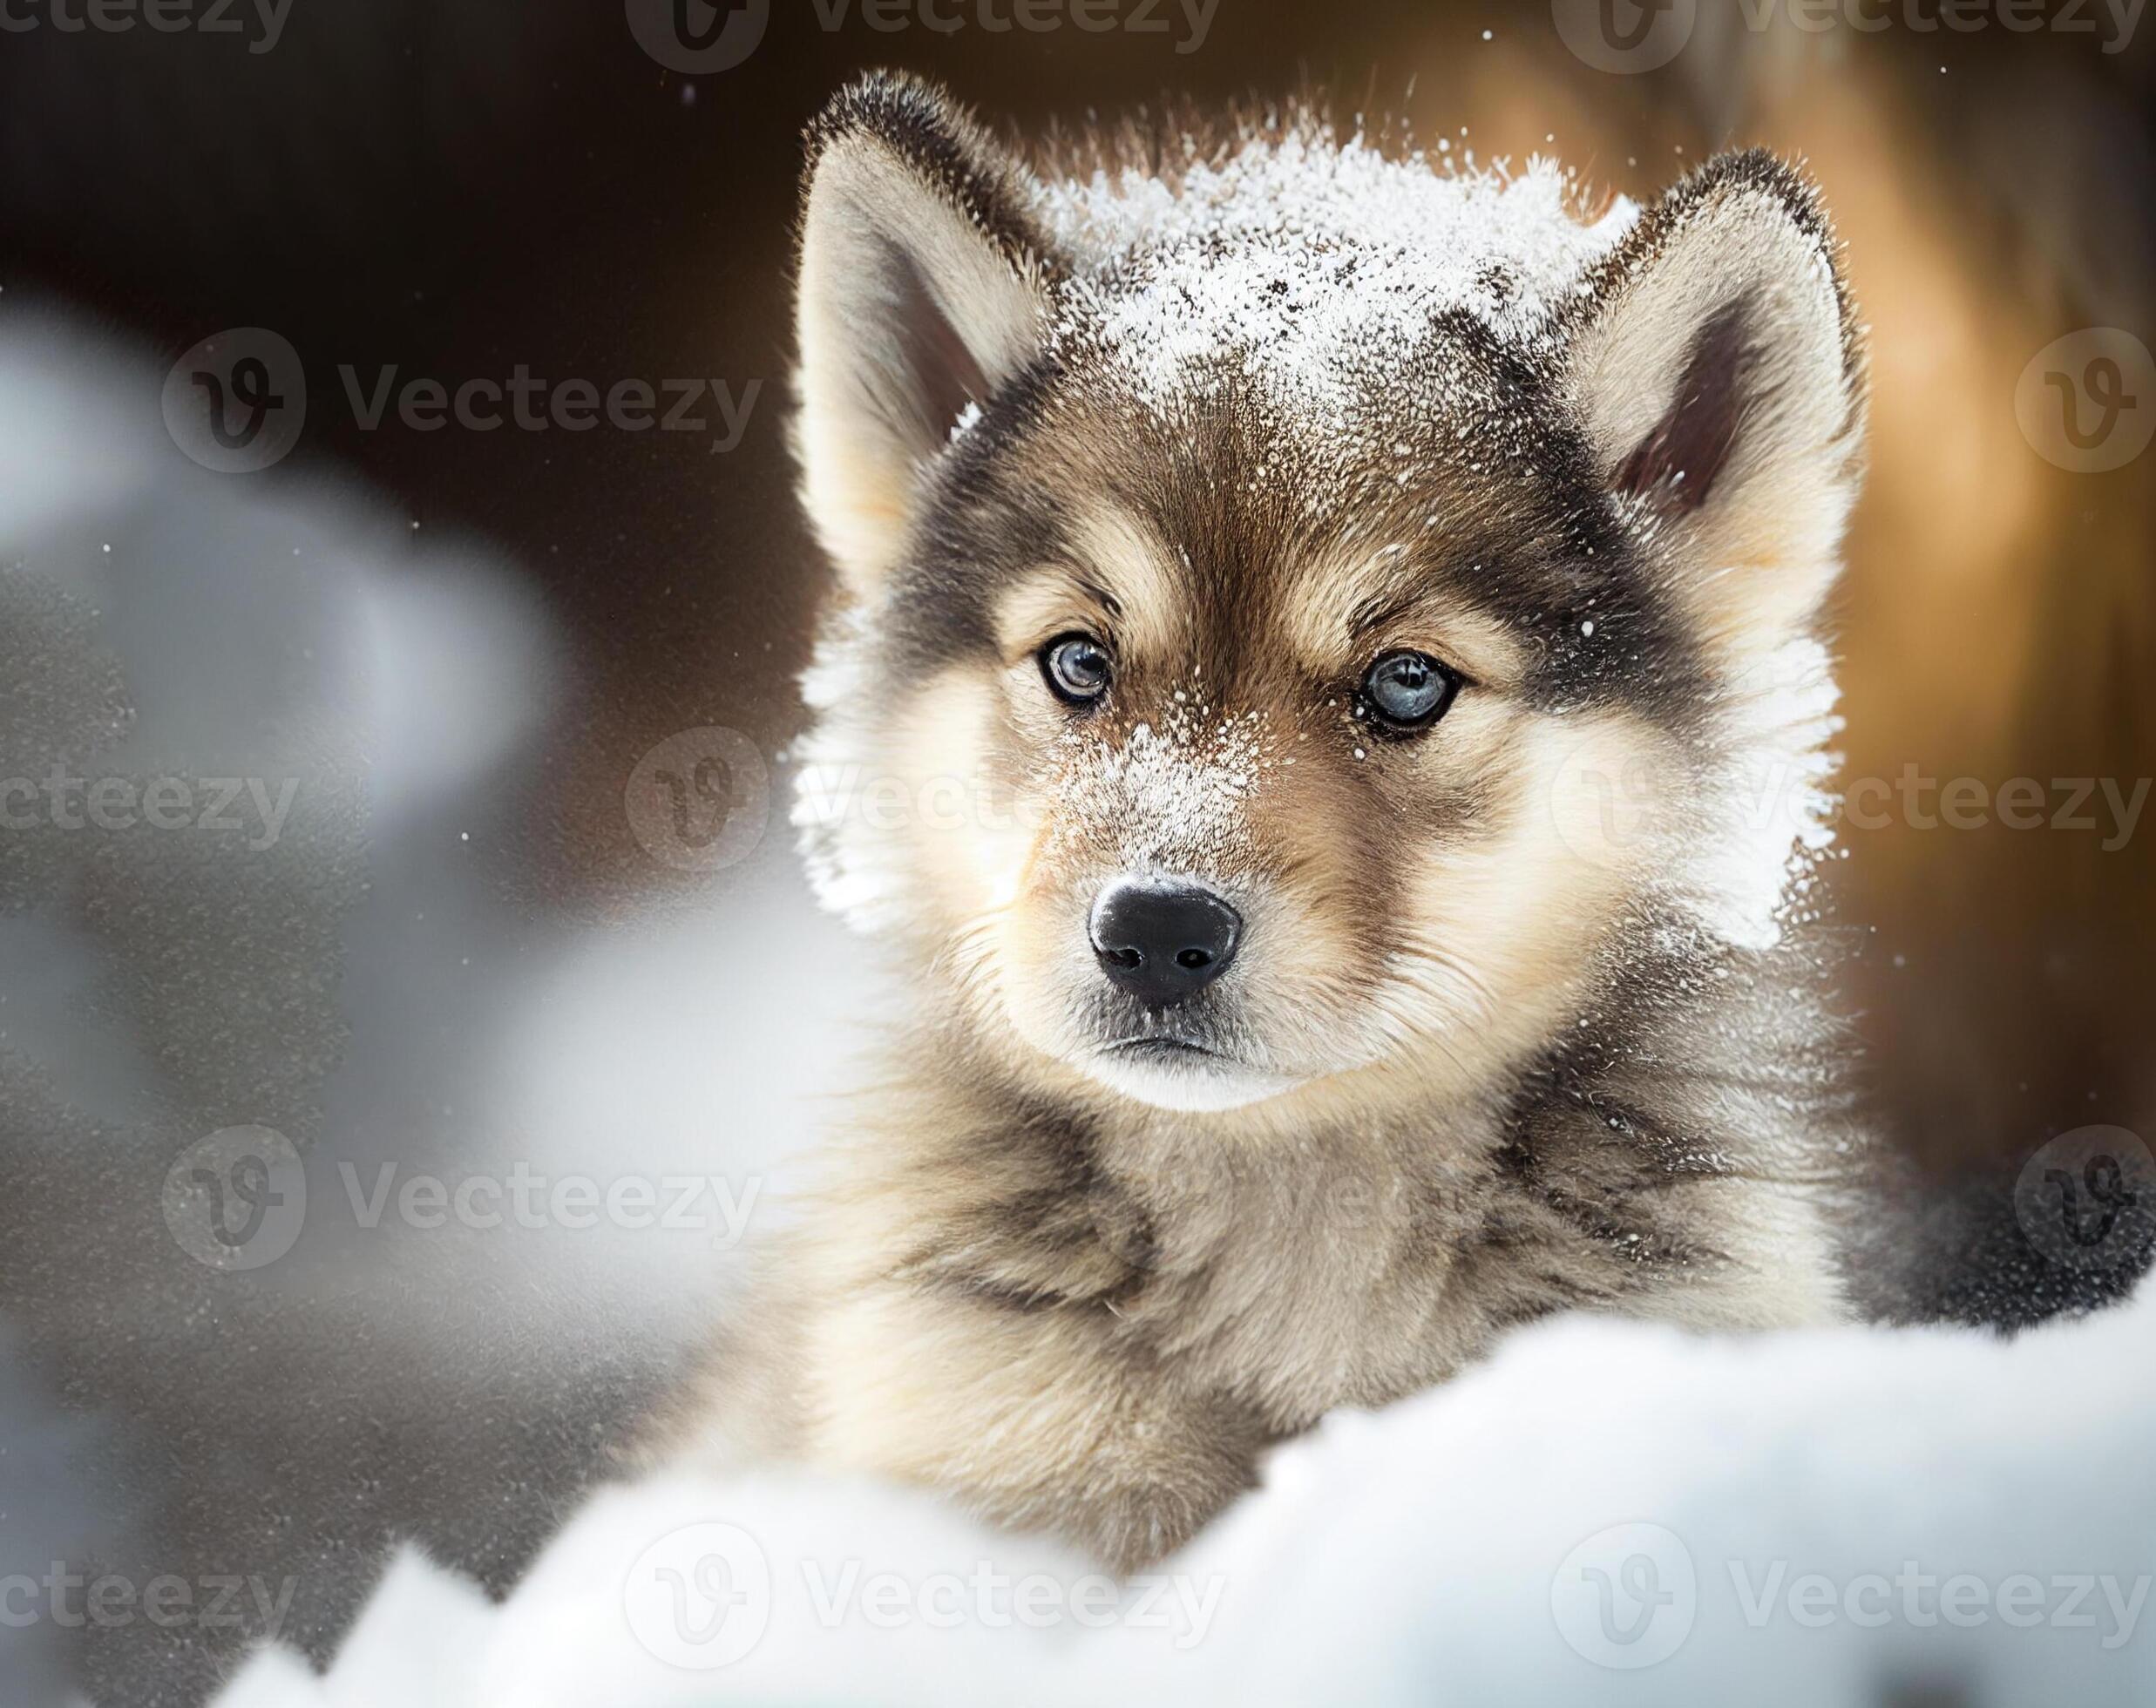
(1303, 264)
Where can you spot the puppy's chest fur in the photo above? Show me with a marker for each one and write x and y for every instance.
(1094, 1320)
(1290, 1277)
(1367, 1254)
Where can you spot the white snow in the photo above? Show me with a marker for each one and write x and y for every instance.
(1838, 1516)
(1306, 263)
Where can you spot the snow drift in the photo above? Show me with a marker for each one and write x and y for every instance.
(1606, 1512)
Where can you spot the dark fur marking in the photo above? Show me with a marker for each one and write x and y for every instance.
(943, 146)
(946, 375)
(1676, 465)
(983, 1290)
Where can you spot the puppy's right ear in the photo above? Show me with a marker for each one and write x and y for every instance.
(922, 290)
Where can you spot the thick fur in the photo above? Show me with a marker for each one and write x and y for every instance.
(1254, 403)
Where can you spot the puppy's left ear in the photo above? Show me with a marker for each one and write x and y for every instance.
(1716, 370)
(921, 291)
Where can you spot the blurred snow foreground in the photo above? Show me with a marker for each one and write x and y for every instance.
(1605, 1512)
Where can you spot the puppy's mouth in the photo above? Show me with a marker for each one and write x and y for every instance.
(1161, 1047)
(1173, 1070)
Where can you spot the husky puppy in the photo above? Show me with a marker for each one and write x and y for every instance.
(1322, 701)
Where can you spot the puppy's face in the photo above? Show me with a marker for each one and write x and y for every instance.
(1232, 799)
(1212, 744)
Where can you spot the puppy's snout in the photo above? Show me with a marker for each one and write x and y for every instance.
(1161, 940)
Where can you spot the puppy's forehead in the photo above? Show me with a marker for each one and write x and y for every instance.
(1461, 519)
(1234, 489)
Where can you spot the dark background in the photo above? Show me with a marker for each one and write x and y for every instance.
(458, 188)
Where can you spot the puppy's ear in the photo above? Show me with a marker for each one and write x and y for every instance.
(1715, 366)
(921, 291)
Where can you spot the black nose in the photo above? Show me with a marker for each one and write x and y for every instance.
(1162, 938)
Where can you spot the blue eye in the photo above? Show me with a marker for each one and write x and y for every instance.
(1405, 692)
(1077, 668)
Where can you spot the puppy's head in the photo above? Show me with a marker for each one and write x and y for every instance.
(1298, 612)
